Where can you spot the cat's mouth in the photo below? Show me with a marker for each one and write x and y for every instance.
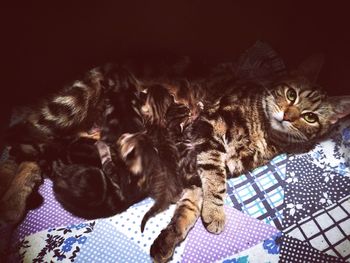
(285, 127)
(278, 123)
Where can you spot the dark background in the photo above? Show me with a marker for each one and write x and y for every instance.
(47, 45)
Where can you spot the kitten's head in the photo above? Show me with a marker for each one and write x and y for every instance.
(298, 111)
(156, 104)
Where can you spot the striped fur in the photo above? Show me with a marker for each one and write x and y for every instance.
(249, 125)
(91, 181)
(219, 128)
(14, 202)
(236, 131)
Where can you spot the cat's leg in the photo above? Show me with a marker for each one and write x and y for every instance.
(211, 165)
(186, 214)
(13, 203)
(8, 170)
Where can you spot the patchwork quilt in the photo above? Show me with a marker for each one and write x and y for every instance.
(294, 209)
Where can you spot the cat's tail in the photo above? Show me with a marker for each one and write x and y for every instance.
(154, 210)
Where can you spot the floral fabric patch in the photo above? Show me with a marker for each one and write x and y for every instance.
(57, 244)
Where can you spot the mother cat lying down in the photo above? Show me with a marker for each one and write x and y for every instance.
(234, 127)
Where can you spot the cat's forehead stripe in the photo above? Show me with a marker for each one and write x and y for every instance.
(306, 93)
(315, 106)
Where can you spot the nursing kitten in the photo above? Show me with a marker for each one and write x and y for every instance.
(163, 118)
(91, 187)
(63, 117)
(83, 185)
(77, 108)
(90, 180)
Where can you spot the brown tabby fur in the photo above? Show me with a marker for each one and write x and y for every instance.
(243, 128)
(233, 127)
(14, 201)
(8, 169)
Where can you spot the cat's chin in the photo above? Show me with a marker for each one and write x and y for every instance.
(281, 131)
(280, 126)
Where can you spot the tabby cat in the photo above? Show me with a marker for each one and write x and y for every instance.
(233, 127)
(241, 128)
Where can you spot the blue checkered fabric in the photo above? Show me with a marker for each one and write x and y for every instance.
(260, 193)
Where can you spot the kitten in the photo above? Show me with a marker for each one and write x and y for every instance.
(78, 107)
(82, 184)
(63, 117)
(91, 187)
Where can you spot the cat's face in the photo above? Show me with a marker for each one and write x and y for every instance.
(298, 112)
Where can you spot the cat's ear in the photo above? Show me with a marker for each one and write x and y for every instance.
(311, 67)
(341, 107)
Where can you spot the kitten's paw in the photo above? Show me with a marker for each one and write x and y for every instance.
(163, 247)
(214, 218)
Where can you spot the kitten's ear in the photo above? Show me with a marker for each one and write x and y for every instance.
(311, 67)
(341, 107)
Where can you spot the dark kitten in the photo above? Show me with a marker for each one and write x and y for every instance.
(91, 187)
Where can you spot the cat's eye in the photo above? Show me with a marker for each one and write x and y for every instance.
(291, 95)
(310, 117)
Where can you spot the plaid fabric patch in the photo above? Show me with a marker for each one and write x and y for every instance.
(327, 230)
(260, 193)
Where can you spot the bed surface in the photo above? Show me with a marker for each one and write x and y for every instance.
(293, 209)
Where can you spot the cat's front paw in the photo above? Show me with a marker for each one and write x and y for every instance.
(163, 247)
(213, 217)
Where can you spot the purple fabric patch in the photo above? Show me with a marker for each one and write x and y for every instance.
(241, 232)
(49, 215)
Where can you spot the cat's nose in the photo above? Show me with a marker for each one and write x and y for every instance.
(291, 114)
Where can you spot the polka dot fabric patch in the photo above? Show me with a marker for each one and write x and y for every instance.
(48, 215)
(241, 232)
(109, 245)
(293, 250)
(307, 191)
(310, 188)
(129, 224)
(266, 251)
